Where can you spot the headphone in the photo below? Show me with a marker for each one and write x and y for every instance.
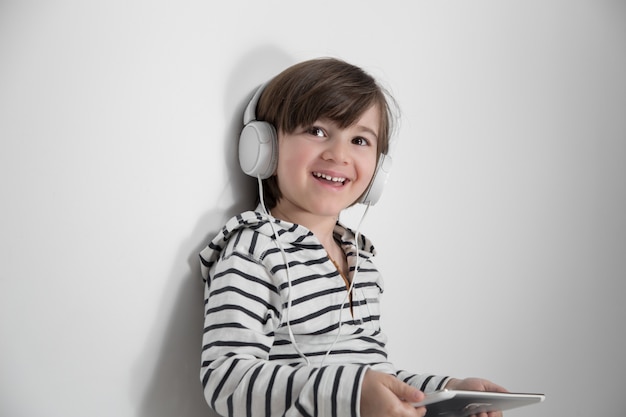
(258, 152)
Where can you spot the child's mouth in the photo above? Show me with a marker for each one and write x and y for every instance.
(328, 178)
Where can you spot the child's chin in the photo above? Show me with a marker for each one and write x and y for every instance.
(329, 210)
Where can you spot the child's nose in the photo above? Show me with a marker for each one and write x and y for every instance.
(337, 151)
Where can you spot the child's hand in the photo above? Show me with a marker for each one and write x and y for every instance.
(386, 395)
(476, 384)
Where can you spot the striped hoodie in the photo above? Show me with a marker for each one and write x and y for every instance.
(250, 365)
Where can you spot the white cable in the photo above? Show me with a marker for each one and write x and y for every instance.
(282, 251)
(357, 234)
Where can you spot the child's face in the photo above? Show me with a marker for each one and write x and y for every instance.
(322, 168)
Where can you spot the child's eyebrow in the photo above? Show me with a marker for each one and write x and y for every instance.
(363, 128)
(367, 129)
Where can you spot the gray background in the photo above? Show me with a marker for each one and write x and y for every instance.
(501, 232)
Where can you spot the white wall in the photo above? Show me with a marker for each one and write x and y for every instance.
(501, 233)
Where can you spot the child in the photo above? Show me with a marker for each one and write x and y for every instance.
(292, 296)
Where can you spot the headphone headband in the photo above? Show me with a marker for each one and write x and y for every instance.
(249, 114)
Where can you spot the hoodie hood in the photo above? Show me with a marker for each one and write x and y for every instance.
(290, 233)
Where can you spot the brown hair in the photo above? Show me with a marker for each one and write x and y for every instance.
(323, 88)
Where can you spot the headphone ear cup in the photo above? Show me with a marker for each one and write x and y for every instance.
(375, 189)
(258, 149)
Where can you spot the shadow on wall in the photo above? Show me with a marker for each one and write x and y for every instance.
(174, 388)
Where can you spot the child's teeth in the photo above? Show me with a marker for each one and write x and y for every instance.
(329, 178)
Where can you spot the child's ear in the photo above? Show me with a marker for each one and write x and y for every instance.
(381, 174)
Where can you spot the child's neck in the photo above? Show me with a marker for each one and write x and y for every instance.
(321, 226)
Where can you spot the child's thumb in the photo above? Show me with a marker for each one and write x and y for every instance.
(405, 391)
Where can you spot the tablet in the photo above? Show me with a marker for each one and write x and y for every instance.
(458, 403)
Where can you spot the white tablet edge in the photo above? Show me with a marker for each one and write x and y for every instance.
(445, 394)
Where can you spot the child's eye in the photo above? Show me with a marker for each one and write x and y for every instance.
(361, 141)
(316, 131)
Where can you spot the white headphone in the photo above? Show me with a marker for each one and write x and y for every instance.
(258, 152)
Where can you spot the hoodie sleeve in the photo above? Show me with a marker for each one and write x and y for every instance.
(243, 308)
(423, 382)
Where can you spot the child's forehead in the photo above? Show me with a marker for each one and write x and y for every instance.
(369, 118)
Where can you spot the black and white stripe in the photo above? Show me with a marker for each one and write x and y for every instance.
(250, 366)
